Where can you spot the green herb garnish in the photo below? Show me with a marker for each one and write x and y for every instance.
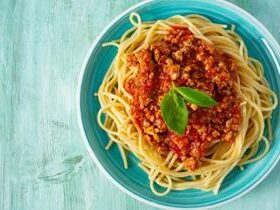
(196, 97)
(174, 110)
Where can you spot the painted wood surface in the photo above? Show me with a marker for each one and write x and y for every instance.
(43, 161)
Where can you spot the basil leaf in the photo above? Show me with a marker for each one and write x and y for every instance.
(174, 112)
(196, 97)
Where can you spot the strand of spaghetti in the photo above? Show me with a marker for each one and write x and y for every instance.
(260, 156)
(109, 144)
(121, 149)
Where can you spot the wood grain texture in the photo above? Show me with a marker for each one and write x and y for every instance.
(43, 161)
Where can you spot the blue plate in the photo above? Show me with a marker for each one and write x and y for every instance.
(134, 181)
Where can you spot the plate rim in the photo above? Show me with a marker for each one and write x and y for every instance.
(232, 6)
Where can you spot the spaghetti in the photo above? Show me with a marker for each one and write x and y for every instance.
(169, 169)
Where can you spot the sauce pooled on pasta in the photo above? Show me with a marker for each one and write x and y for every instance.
(181, 59)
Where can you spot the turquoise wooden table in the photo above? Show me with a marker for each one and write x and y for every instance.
(43, 161)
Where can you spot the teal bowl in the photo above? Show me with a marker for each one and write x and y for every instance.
(134, 181)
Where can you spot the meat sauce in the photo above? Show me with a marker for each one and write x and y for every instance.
(184, 60)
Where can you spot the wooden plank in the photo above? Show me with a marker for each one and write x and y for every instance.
(43, 162)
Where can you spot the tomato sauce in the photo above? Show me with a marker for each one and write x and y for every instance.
(181, 59)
